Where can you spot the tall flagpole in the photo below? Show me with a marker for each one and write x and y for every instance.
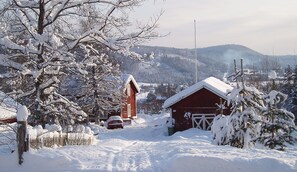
(196, 62)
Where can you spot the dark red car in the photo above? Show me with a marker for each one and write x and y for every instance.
(114, 122)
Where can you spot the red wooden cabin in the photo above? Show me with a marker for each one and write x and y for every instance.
(129, 90)
(196, 106)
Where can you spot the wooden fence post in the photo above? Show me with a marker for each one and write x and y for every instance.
(22, 137)
(22, 140)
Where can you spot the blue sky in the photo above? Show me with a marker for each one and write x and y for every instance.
(267, 26)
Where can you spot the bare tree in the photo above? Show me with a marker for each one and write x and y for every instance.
(40, 39)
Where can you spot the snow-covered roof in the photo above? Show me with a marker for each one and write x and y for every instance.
(212, 84)
(7, 113)
(7, 107)
(127, 78)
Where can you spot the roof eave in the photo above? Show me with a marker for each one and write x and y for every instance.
(225, 97)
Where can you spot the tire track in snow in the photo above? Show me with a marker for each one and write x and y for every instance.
(134, 158)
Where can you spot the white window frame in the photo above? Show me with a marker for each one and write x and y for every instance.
(129, 110)
(128, 90)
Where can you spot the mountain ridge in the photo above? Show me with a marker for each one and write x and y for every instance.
(177, 65)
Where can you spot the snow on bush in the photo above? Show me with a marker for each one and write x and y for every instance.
(219, 130)
(242, 127)
(243, 123)
(53, 127)
(278, 124)
(254, 117)
(83, 129)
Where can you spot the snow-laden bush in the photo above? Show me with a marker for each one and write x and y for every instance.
(243, 128)
(83, 129)
(231, 130)
(219, 130)
(53, 127)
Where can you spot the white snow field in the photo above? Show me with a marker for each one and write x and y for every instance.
(145, 146)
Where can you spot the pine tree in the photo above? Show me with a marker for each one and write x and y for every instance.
(242, 127)
(278, 124)
(243, 124)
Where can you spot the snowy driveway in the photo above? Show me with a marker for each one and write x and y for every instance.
(146, 147)
(149, 149)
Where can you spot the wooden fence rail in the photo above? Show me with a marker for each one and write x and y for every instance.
(60, 139)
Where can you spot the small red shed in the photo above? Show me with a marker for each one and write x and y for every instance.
(7, 109)
(7, 114)
(196, 106)
(130, 89)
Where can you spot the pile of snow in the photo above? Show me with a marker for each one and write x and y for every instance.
(145, 146)
(22, 113)
(55, 129)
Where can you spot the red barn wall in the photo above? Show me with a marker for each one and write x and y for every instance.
(200, 102)
(129, 100)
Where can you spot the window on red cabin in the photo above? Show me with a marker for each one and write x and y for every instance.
(128, 90)
(129, 110)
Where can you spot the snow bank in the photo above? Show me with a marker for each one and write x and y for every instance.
(44, 161)
(184, 162)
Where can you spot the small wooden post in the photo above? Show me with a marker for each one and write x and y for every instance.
(22, 137)
(22, 140)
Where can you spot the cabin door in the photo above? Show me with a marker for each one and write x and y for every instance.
(202, 121)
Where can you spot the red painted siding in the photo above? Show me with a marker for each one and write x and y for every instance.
(10, 120)
(201, 102)
(129, 100)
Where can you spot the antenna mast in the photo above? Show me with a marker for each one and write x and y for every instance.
(196, 61)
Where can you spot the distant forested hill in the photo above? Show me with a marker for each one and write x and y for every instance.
(173, 65)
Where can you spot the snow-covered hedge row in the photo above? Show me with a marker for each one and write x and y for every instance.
(52, 135)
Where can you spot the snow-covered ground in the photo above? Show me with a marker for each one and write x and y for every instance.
(145, 146)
